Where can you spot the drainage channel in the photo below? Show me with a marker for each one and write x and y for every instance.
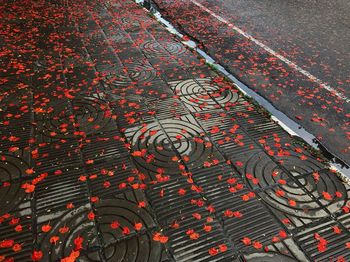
(289, 125)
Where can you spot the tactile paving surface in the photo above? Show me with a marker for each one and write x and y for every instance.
(119, 144)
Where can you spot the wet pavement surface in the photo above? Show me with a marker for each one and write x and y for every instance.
(119, 144)
(312, 34)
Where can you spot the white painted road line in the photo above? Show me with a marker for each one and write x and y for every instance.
(274, 53)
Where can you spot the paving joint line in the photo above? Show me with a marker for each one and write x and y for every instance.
(200, 193)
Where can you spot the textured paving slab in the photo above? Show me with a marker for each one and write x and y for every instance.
(119, 144)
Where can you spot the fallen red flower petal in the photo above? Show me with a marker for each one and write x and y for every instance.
(54, 239)
(138, 226)
(246, 241)
(213, 251)
(257, 245)
(37, 255)
(46, 228)
(7, 243)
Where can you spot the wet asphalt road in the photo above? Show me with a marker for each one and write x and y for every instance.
(315, 35)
